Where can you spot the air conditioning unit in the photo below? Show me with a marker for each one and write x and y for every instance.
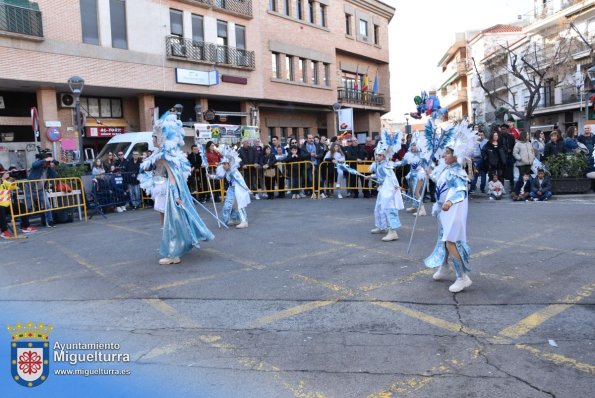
(66, 100)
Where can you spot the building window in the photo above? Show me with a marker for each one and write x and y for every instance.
(302, 70)
(311, 11)
(286, 8)
(289, 68)
(222, 42)
(322, 15)
(117, 11)
(198, 28)
(314, 72)
(377, 35)
(348, 25)
(283, 134)
(273, 5)
(89, 22)
(241, 37)
(363, 28)
(102, 107)
(275, 66)
(326, 75)
(176, 22)
(298, 9)
(306, 131)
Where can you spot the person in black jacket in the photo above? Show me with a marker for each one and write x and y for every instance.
(269, 171)
(355, 154)
(315, 154)
(493, 157)
(197, 177)
(507, 142)
(132, 169)
(554, 146)
(522, 189)
(249, 165)
(541, 186)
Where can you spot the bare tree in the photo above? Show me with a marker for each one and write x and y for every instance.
(531, 66)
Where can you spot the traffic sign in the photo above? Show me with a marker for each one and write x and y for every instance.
(53, 134)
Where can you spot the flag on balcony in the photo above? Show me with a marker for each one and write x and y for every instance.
(356, 85)
(366, 83)
(375, 87)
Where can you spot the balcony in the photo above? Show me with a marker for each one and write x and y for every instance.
(497, 83)
(237, 7)
(357, 97)
(209, 53)
(454, 97)
(453, 71)
(21, 20)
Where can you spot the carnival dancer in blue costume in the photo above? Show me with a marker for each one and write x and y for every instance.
(237, 196)
(169, 168)
(389, 200)
(451, 209)
(416, 177)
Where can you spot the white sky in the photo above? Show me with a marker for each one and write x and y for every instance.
(422, 30)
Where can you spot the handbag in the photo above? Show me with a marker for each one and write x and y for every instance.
(269, 173)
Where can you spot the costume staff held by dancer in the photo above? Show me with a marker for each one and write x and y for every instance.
(451, 205)
(237, 196)
(164, 175)
(389, 200)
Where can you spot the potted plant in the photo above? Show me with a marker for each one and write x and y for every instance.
(567, 171)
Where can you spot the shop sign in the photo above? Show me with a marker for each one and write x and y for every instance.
(104, 131)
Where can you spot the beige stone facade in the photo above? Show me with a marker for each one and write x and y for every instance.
(142, 75)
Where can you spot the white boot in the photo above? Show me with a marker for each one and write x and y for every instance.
(378, 231)
(444, 273)
(169, 260)
(460, 284)
(391, 235)
(421, 211)
(243, 224)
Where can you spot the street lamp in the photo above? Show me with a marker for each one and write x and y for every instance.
(474, 105)
(76, 83)
(253, 116)
(179, 108)
(407, 127)
(198, 111)
(337, 108)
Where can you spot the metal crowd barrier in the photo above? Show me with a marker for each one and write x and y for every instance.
(282, 177)
(199, 184)
(32, 197)
(112, 190)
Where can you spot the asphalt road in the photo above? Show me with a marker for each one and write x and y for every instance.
(306, 303)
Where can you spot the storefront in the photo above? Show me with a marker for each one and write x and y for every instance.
(98, 133)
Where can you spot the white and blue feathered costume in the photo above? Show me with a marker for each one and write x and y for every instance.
(418, 162)
(237, 191)
(389, 200)
(182, 227)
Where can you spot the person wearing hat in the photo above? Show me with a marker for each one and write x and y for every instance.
(237, 196)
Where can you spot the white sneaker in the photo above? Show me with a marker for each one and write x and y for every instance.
(302, 195)
(256, 196)
(265, 195)
(421, 211)
(460, 284)
(322, 196)
(444, 273)
(410, 210)
(119, 209)
(338, 185)
(169, 260)
(491, 198)
(313, 196)
(378, 231)
(339, 196)
(243, 224)
(391, 235)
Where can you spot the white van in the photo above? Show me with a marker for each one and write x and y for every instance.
(141, 142)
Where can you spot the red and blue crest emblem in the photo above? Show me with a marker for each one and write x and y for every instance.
(29, 353)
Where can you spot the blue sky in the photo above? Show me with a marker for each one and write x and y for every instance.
(421, 32)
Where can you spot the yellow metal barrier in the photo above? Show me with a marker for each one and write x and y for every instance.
(282, 177)
(42, 196)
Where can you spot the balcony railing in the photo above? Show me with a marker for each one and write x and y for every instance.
(496, 83)
(198, 51)
(546, 9)
(454, 97)
(20, 20)
(356, 96)
(240, 7)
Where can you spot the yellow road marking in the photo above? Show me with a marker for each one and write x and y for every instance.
(330, 286)
(135, 230)
(441, 323)
(199, 279)
(48, 279)
(558, 359)
(288, 313)
(532, 321)
(368, 249)
(307, 255)
(405, 279)
(77, 258)
(239, 260)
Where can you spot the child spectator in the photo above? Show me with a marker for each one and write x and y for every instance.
(522, 188)
(495, 188)
(541, 187)
(6, 185)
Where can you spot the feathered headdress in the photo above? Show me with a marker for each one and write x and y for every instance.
(462, 142)
(169, 135)
(231, 156)
(389, 144)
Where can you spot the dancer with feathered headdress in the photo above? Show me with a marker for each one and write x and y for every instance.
(237, 196)
(457, 143)
(389, 200)
(418, 161)
(164, 175)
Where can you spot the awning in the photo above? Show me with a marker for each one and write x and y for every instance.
(98, 128)
(546, 127)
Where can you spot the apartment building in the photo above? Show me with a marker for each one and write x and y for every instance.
(452, 91)
(276, 64)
